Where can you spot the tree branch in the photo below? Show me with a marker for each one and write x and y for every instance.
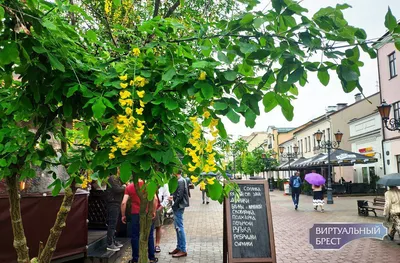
(156, 7)
(172, 9)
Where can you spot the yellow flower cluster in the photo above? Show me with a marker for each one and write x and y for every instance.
(85, 181)
(202, 75)
(136, 52)
(108, 6)
(203, 183)
(129, 128)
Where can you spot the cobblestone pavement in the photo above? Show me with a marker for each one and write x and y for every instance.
(203, 225)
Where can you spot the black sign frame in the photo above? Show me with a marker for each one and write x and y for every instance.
(228, 253)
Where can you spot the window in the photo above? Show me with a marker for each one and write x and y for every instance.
(309, 144)
(392, 65)
(365, 175)
(305, 140)
(396, 110)
(315, 142)
(302, 146)
(328, 131)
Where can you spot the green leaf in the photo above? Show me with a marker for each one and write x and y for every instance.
(390, 20)
(48, 24)
(91, 35)
(167, 76)
(74, 167)
(200, 64)
(230, 75)
(215, 190)
(347, 73)
(173, 184)
(171, 104)
(3, 163)
(168, 156)
(295, 75)
(157, 155)
(72, 90)
(222, 57)
(294, 90)
(221, 129)
(28, 173)
(247, 19)
(397, 44)
(98, 108)
(9, 54)
(206, 89)
(220, 105)
(323, 76)
(250, 118)
(67, 108)
(247, 48)
(1, 13)
(57, 187)
(233, 116)
(258, 22)
(151, 190)
(125, 171)
(145, 164)
(100, 158)
(269, 101)
(287, 108)
(107, 103)
(56, 63)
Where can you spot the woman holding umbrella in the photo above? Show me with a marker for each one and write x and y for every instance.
(316, 180)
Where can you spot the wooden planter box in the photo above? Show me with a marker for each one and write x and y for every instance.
(38, 216)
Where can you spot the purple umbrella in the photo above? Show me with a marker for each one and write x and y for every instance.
(315, 179)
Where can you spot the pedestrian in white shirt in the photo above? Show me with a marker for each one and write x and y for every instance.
(163, 195)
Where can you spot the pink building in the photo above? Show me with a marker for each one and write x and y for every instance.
(389, 79)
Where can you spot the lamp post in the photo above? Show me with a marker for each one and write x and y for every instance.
(289, 156)
(266, 162)
(329, 145)
(392, 124)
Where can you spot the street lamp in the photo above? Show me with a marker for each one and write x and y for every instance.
(266, 162)
(390, 124)
(289, 156)
(328, 145)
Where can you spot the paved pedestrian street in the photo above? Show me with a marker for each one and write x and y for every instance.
(203, 224)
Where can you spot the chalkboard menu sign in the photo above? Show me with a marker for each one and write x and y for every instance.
(248, 224)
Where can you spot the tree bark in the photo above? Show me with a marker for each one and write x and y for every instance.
(59, 225)
(16, 220)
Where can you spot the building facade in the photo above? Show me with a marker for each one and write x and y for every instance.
(388, 67)
(366, 138)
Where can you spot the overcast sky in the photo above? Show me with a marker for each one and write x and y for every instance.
(314, 98)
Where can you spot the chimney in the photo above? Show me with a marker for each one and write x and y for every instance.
(358, 97)
(331, 109)
(341, 106)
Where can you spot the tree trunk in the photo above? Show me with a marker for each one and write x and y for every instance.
(16, 220)
(56, 230)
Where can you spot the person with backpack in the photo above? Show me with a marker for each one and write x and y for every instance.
(295, 183)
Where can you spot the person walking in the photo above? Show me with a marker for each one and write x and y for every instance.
(318, 200)
(392, 210)
(115, 193)
(295, 183)
(163, 195)
(130, 192)
(180, 201)
(204, 195)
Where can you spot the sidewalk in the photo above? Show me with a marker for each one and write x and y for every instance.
(203, 225)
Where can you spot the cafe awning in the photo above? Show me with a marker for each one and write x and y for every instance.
(290, 166)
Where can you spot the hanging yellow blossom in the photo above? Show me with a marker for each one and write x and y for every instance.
(210, 181)
(141, 103)
(202, 185)
(140, 93)
(139, 111)
(123, 78)
(194, 179)
(128, 111)
(202, 75)
(140, 81)
(111, 156)
(125, 94)
(132, 82)
(108, 6)
(206, 114)
(123, 85)
(136, 52)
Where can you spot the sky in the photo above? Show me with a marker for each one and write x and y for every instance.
(314, 98)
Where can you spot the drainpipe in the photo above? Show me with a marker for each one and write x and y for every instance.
(383, 127)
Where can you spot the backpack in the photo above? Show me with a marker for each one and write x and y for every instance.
(296, 182)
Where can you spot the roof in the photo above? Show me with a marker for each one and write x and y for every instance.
(282, 130)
